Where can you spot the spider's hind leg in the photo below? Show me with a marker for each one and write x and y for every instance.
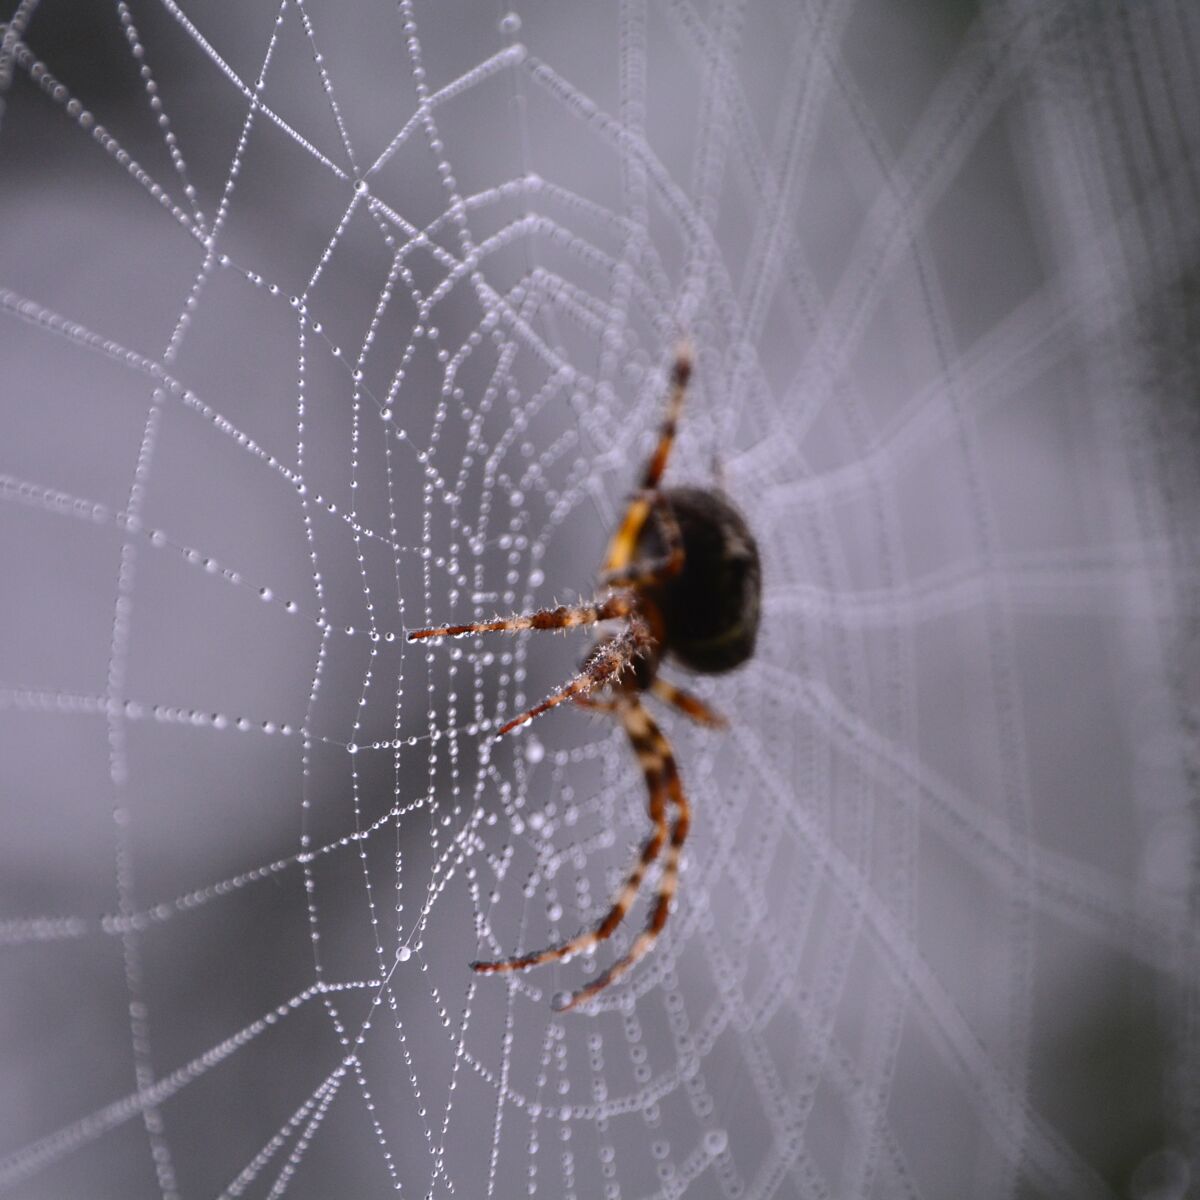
(662, 784)
(691, 706)
(681, 374)
(620, 549)
(651, 848)
(662, 780)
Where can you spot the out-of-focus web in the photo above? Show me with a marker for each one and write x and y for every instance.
(461, 419)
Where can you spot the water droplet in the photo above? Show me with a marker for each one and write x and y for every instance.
(534, 750)
(403, 954)
(716, 1141)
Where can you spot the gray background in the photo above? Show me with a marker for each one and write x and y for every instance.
(936, 929)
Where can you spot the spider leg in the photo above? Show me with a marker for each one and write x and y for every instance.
(605, 662)
(651, 848)
(620, 549)
(662, 775)
(619, 604)
(681, 373)
(689, 705)
(647, 572)
(595, 704)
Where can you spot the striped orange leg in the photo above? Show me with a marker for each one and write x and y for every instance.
(646, 573)
(651, 848)
(681, 374)
(620, 549)
(691, 706)
(662, 775)
(619, 604)
(605, 663)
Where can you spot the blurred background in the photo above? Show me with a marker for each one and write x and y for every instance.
(321, 322)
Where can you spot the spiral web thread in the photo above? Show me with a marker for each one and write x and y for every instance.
(376, 312)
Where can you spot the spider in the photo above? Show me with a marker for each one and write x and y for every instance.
(682, 576)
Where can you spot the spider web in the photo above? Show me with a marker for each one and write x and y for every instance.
(321, 323)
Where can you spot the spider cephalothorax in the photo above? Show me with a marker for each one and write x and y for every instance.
(682, 576)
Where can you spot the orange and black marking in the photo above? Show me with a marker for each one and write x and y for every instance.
(624, 542)
(664, 789)
(691, 706)
(646, 573)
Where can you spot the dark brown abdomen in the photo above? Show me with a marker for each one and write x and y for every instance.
(710, 610)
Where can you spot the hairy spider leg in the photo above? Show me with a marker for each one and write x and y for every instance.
(624, 541)
(658, 791)
(662, 775)
(691, 706)
(596, 704)
(619, 604)
(605, 662)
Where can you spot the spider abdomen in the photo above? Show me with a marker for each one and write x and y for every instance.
(710, 609)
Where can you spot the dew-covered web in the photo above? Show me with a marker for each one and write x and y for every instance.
(324, 322)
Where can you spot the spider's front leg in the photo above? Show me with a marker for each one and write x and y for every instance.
(619, 604)
(606, 662)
